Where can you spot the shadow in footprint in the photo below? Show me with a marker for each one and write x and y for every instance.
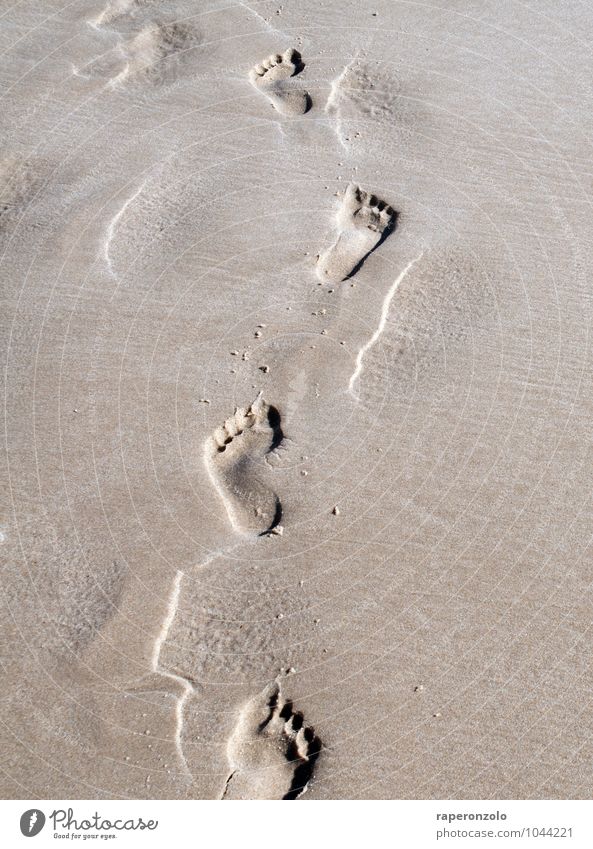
(389, 229)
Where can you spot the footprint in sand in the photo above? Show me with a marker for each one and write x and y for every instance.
(363, 221)
(235, 456)
(156, 54)
(271, 752)
(271, 78)
(20, 181)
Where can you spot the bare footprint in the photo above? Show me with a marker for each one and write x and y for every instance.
(155, 53)
(20, 181)
(271, 78)
(271, 752)
(235, 457)
(363, 221)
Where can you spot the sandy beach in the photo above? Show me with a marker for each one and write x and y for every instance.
(297, 300)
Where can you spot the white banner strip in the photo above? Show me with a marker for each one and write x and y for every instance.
(341, 824)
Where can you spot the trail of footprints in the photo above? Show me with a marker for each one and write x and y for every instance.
(272, 753)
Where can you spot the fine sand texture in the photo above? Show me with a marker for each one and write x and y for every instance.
(298, 398)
